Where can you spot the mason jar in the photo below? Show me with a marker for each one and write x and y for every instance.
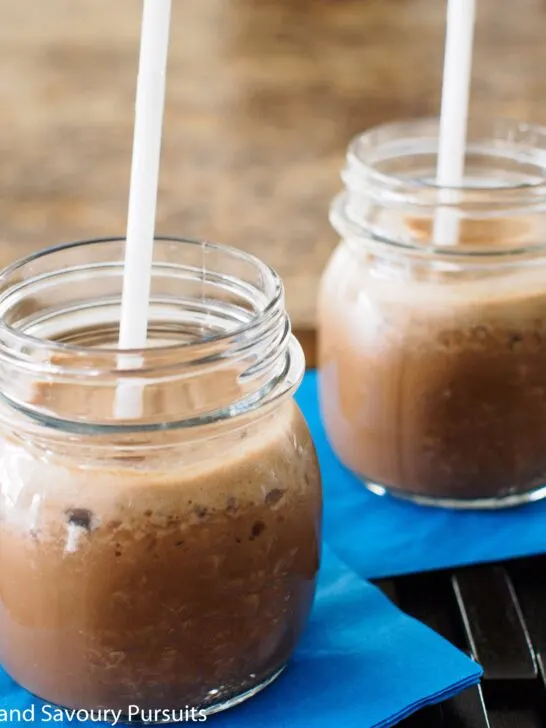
(162, 560)
(433, 317)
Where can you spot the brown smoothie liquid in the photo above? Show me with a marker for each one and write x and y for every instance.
(433, 383)
(182, 580)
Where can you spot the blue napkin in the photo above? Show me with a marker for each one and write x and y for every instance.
(383, 536)
(362, 662)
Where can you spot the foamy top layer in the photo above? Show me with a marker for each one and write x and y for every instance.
(432, 288)
(38, 487)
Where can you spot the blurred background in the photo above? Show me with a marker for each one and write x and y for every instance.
(263, 97)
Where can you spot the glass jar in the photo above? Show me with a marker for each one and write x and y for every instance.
(169, 560)
(433, 350)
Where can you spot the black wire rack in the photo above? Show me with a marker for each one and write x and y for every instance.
(497, 614)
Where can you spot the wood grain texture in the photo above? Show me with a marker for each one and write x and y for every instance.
(263, 97)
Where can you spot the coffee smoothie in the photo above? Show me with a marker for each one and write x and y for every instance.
(180, 579)
(164, 557)
(433, 379)
(432, 316)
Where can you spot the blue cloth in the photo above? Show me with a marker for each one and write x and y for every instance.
(362, 663)
(384, 536)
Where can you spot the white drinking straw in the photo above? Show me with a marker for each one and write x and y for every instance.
(454, 114)
(150, 104)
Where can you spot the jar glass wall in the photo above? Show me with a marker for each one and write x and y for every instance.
(169, 560)
(433, 354)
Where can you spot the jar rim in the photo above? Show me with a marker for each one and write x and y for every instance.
(7, 273)
(391, 171)
(499, 129)
(223, 308)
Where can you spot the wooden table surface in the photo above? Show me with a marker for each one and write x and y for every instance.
(263, 97)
